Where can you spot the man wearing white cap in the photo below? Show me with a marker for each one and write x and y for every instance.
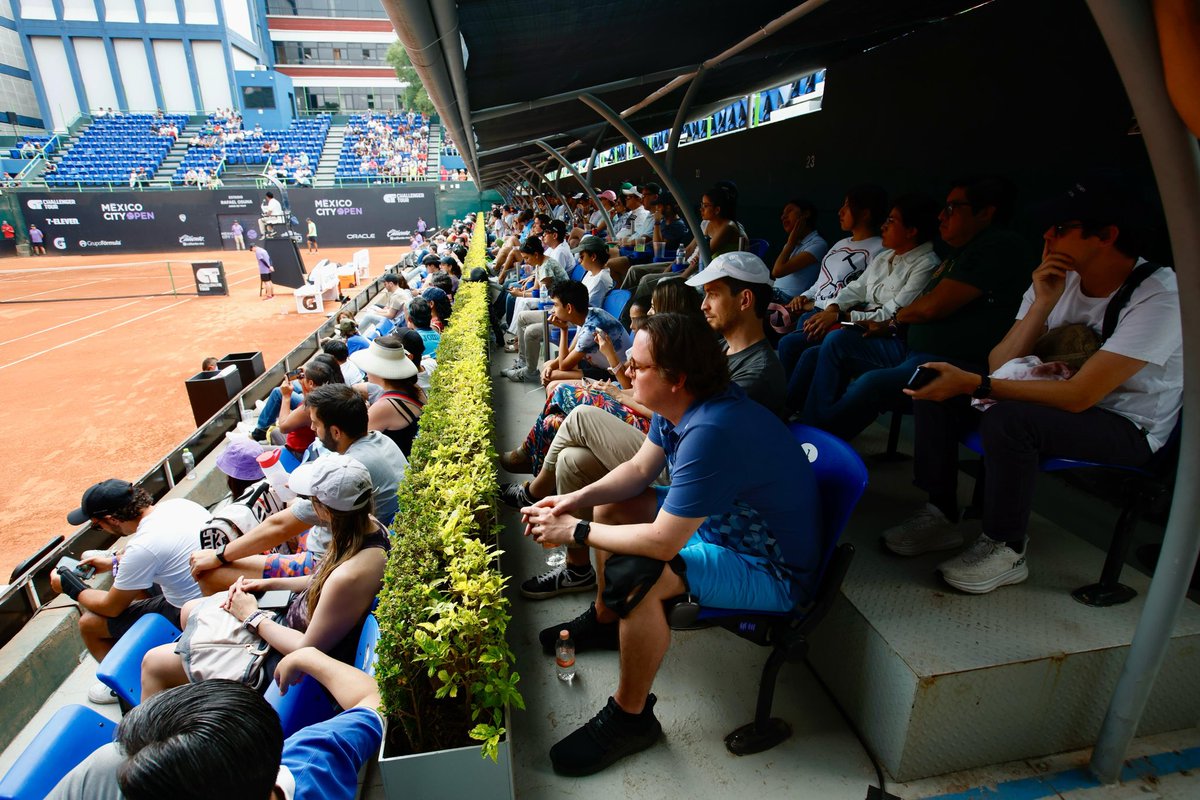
(737, 291)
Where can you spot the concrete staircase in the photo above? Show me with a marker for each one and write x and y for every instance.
(326, 171)
(433, 163)
(166, 170)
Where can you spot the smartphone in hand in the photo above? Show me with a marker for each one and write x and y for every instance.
(921, 378)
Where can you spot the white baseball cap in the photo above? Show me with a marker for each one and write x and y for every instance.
(337, 480)
(738, 265)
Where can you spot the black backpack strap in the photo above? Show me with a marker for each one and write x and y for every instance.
(1121, 297)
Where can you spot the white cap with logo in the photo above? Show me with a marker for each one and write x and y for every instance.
(738, 265)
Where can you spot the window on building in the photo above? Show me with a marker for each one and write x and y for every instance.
(327, 8)
(339, 55)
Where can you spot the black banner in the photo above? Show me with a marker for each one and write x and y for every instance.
(80, 223)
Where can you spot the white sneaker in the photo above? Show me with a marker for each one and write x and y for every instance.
(924, 532)
(101, 695)
(984, 566)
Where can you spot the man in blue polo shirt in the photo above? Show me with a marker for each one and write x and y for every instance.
(738, 527)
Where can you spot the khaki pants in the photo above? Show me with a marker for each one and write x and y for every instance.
(590, 444)
(529, 336)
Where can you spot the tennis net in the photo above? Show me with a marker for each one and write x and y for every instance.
(97, 282)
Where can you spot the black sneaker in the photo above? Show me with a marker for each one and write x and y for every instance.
(606, 738)
(563, 579)
(586, 631)
(515, 495)
(258, 435)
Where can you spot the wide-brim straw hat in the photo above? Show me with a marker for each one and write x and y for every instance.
(385, 359)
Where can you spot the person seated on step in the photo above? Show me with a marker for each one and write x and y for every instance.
(328, 607)
(739, 527)
(189, 736)
(581, 358)
(391, 303)
(339, 420)
(150, 574)
(1118, 408)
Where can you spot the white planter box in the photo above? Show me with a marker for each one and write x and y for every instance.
(447, 774)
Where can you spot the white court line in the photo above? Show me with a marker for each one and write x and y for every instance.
(96, 333)
(70, 322)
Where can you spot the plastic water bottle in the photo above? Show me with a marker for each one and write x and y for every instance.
(564, 656)
(189, 464)
(680, 260)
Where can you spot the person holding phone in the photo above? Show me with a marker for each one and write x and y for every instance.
(1120, 407)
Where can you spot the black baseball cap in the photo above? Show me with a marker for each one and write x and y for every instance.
(102, 499)
(1101, 197)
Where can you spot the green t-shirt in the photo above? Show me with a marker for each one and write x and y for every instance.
(996, 262)
(312, 229)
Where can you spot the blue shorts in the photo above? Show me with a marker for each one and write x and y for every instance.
(719, 577)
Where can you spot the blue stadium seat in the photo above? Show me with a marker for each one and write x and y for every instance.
(616, 301)
(759, 247)
(578, 273)
(841, 480)
(121, 669)
(365, 656)
(71, 735)
(305, 704)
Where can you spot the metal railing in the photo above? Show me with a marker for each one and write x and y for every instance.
(20, 601)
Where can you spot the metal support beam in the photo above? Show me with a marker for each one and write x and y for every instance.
(681, 117)
(542, 175)
(587, 187)
(1128, 29)
(445, 18)
(497, 112)
(656, 164)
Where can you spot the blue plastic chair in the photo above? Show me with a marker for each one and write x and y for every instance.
(759, 247)
(841, 480)
(71, 735)
(121, 669)
(578, 272)
(616, 301)
(305, 704)
(365, 656)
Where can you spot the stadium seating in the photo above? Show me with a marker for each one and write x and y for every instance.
(302, 136)
(350, 166)
(71, 735)
(210, 159)
(111, 147)
(45, 143)
(121, 669)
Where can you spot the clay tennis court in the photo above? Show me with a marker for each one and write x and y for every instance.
(94, 388)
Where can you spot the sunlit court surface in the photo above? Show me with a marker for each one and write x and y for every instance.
(93, 359)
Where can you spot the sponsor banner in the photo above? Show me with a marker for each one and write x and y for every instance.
(210, 278)
(132, 222)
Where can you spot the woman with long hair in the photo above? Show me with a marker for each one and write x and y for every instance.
(397, 412)
(328, 608)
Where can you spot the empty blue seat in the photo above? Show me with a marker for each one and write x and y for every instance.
(121, 669)
(71, 735)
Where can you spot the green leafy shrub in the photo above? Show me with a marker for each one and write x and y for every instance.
(445, 667)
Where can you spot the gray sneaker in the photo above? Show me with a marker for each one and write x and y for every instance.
(924, 532)
(524, 376)
(984, 566)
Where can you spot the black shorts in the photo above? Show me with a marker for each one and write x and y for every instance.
(312, 238)
(264, 277)
(598, 373)
(119, 625)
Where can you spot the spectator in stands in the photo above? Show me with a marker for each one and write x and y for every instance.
(737, 291)
(799, 261)
(214, 181)
(265, 269)
(312, 235)
(672, 233)
(414, 345)
(439, 304)
(547, 272)
(554, 243)
(355, 341)
(698, 543)
(36, 240)
(392, 302)
(292, 429)
(638, 227)
(582, 357)
(237, 232)
(189, 735)
(861, 215)
(967, 305)
(895, 276)
(597, 278)
(340, 351)
(152, 577)
(329, 607)
(209, 364)
(397, 412)
(420, 319)
(1118, 408)
(339, 419)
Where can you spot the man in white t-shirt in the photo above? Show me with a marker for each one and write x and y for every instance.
(639, 224)
(554, 241)
(152, 573)
(1120, 407)
(272, 214)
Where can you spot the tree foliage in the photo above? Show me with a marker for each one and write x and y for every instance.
(415, 96)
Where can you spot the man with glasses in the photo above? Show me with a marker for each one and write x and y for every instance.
(1118, 407)
(738, 527)
(963, 310)
(151, 573)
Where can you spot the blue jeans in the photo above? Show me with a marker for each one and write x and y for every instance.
(793, 345)
(270, 410)
(882, 366)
